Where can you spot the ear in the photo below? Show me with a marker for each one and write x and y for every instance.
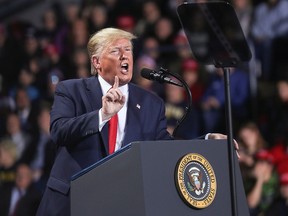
(95, 62)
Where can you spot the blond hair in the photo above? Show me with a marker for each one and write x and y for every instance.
(7, 145)
(102, 39)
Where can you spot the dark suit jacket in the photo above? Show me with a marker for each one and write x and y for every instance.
(27, 205)
(74, 128)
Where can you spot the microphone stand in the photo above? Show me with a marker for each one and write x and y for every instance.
(187, 89)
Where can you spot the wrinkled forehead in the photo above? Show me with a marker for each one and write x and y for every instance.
(120, 43)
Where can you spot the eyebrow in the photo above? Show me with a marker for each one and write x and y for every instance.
(118, 47)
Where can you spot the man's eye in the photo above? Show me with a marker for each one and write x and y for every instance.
(115, 51)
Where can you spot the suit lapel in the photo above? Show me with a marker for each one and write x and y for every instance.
(94, 98)
(133, 129)
(93, 92)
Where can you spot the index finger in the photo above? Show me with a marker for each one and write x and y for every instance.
(116, 82)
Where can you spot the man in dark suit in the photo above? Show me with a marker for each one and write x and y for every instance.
(82, 109)
(20, 198)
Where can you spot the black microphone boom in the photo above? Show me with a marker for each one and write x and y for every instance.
(158, 76)
(162, 76)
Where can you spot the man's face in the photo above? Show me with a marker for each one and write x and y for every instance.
(284, 191)
(117, 60)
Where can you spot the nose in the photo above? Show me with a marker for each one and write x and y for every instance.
(123, 54)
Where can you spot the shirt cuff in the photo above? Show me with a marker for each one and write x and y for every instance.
(207, 136)
(101, 122)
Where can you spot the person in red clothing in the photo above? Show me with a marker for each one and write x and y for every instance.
(280, 206)
(191, 74)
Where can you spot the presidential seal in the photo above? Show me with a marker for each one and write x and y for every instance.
(196, 181)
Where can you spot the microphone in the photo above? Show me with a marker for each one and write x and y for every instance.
(158, 76)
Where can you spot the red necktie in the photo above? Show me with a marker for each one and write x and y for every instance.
(113, 123)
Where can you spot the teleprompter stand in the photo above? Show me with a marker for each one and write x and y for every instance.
(216, 37)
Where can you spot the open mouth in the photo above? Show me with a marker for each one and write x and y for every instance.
(124, 67)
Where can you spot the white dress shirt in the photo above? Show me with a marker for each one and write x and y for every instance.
(15, 197)
(121, 114)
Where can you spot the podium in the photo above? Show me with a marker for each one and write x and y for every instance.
(143, 179)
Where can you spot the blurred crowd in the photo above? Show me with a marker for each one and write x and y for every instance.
(34, 59)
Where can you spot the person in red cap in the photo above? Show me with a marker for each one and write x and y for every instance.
(126, 23)
(264, 184)
(190, 70)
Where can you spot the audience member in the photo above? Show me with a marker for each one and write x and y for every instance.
(164, 33)
(8, 161)
(53, 30)
(7, 105)
(175, 106)
(193, 76)
(72, 10)
(126, 23)
(98, 17)
(53, 78)
(268, 24)
(213, 101)
(151, 48)
(17, 134)
(263, 184)
(8, 57)
(79, 59)
(150, 14)
(244, 11)
(40, 152)
(24, 109)
(257, 168)
(146, 61)
(55, 60)
(20, 198)
(26, 80)
(191, 73)
(280, 205)
(31, 44)
(251, 141)
(278, 108)
(182, 51)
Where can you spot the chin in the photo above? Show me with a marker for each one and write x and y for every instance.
(124, 81)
